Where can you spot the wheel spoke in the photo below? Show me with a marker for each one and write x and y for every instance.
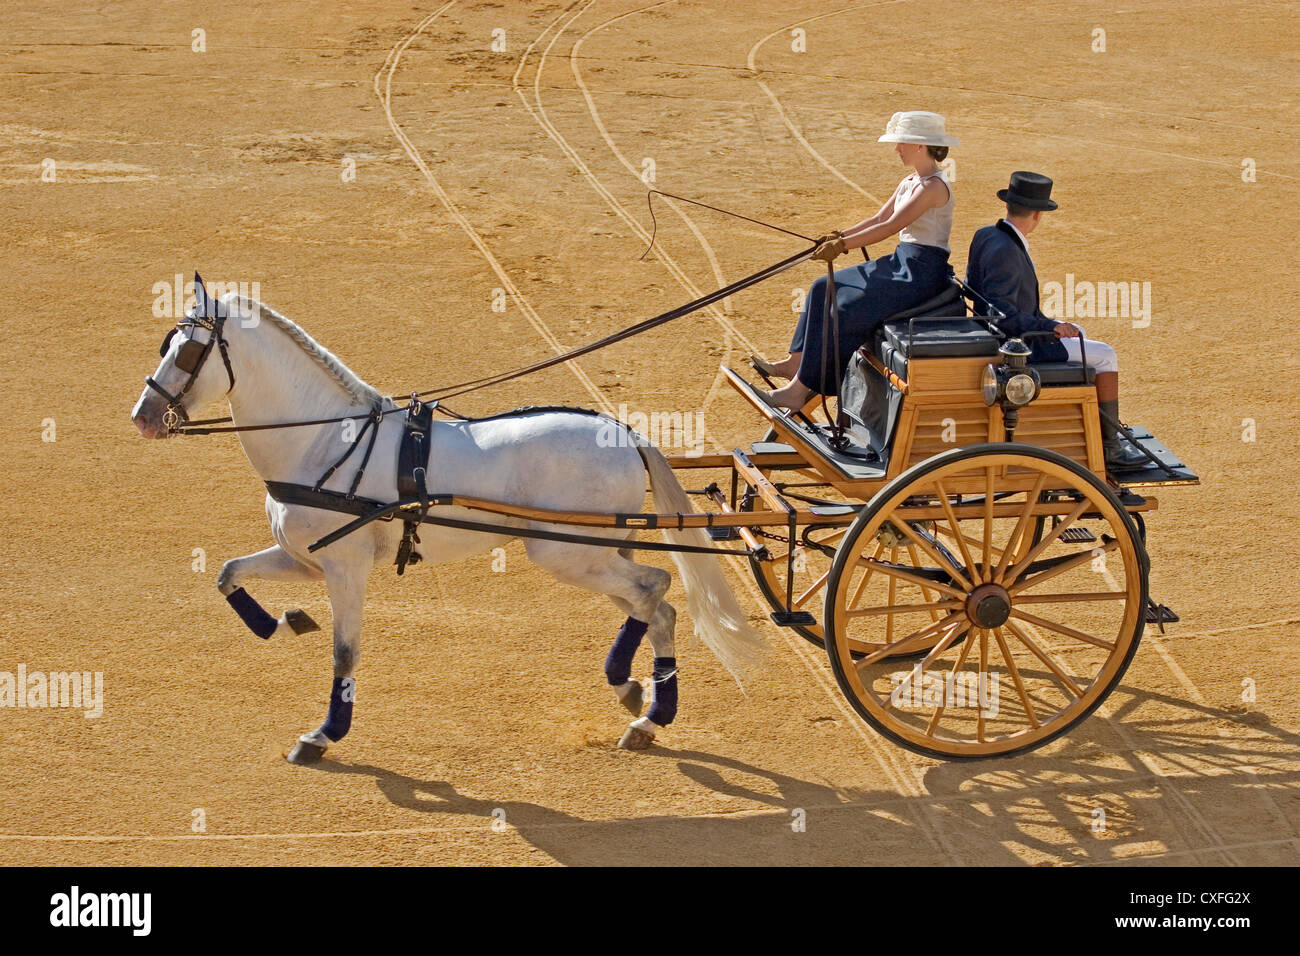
(799, 601)
(1062, 629)
(889, 569)
(1038, 652)
(934, 553)
(893, 587)
(1067, 598)
(997, 553)
(952, 522)
(919, 668)
(925, 592)
(983, 674)
(988, 525)
(932, 607)
(1064, 566)
(911, 642)
(1048, 538)
(956, 667)
(1019, 529)
(1015, 677)
(866, 576)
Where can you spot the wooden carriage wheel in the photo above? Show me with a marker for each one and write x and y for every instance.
(1026, 633)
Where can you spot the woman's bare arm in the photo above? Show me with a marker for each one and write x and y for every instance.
(930, 196)
(885, 212)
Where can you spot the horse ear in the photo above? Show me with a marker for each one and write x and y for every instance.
(201, 298)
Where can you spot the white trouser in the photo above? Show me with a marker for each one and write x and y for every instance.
(1101, 356)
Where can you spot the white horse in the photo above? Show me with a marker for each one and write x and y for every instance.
(271, 371)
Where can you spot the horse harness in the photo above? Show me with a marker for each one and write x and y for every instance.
(412, 458)
(190, 360)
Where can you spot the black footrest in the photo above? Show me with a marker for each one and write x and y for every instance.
(1077, 535)
(723, 534)
(793, 619)
(1160, 614)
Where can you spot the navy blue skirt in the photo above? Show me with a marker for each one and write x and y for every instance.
(866, 295)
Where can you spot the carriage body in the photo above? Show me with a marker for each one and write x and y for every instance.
(938, 555)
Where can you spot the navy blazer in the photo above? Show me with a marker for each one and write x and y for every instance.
(999, 269)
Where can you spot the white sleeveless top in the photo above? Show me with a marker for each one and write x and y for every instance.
(932, 227)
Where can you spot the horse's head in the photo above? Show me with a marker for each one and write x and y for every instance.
(187, 377)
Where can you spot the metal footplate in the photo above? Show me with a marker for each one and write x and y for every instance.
(793, 619)
(1160, 614)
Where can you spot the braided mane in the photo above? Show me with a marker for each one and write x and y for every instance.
(348, 380)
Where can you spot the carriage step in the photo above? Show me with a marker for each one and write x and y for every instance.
(1077, 535)
(833, 511)
(793, 619)
(1160, 614)
(723, 534)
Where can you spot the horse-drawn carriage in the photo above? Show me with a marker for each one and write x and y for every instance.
(950, 536)
(948, 533)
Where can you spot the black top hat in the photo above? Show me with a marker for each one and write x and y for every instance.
(1030, 190)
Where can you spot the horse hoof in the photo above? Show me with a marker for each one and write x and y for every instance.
(300, 621)
(634, 738)
(632, 696)
(306, 754)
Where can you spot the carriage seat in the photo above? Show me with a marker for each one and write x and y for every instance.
(1063, 373)
(932, 337)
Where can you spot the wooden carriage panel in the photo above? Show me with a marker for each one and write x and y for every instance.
(944, 409)
(949, 375)
(940, 428)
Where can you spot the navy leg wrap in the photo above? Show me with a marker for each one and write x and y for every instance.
(340, 718)
(252, 613)
(618, 663)
(664, 708)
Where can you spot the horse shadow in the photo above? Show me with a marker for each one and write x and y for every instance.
(802, 823)
(1213, 797)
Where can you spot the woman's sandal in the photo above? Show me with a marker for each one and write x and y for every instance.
(766, 367)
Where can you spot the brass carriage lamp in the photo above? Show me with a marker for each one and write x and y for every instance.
(1012, 384)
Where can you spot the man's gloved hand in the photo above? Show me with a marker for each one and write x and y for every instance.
(829, 248)
(833, 234)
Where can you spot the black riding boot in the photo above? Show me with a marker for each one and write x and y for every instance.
(1121, 454)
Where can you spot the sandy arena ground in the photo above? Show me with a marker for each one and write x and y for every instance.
(482, 691)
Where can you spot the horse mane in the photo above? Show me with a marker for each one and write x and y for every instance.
(347, 379)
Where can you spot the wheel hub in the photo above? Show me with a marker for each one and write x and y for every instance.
(988, 606)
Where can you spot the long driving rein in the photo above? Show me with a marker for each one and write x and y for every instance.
(193, 354)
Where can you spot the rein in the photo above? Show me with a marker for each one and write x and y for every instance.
(209, 426)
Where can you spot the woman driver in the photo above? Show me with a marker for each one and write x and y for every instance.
(920, 211)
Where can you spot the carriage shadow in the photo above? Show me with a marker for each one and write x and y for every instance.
(1171, 776)
(1214, 790)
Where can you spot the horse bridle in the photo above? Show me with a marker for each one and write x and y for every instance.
(190, 359)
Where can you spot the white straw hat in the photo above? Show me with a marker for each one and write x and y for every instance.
(917, 126)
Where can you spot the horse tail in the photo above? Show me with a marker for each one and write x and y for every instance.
(717, 618)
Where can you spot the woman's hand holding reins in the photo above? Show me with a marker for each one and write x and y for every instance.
(829, 247)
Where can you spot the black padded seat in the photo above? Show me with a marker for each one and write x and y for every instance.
(1063, 373)
(956, 337)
